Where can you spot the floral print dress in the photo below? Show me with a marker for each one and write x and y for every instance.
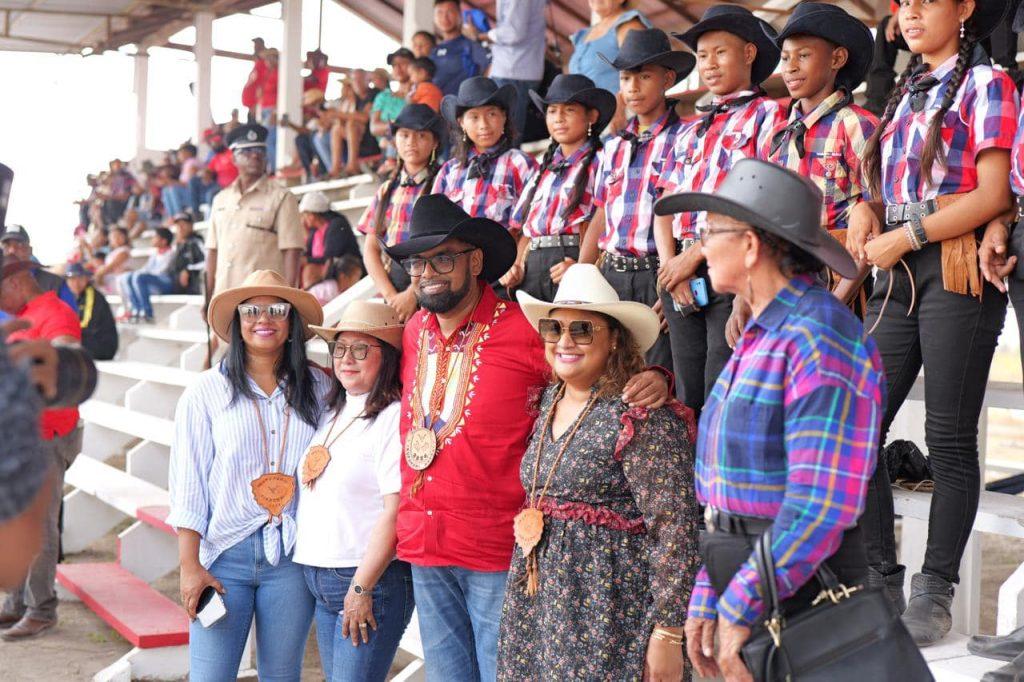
(619, 551)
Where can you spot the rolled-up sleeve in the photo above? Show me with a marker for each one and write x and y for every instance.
(192, 454)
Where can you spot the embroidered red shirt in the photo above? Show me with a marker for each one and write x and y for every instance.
(462, 514)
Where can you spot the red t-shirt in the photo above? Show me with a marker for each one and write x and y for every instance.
(462, 515)
(268, 95)
(316, 80)
(223, 164)
(250, 91)
(51, 318)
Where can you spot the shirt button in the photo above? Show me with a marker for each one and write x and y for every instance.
(430, 478)
(273, 432)
(430, 512)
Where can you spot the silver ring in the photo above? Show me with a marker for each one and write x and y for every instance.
(362, 626)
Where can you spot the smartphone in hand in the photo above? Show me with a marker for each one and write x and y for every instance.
(210, 608)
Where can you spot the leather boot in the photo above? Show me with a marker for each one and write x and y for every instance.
(27, 628)
(8, 620)
(891, 584)
(1000, 648)
(928, 616)
(1011, 672)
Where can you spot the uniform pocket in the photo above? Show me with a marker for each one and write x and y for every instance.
(259, 219)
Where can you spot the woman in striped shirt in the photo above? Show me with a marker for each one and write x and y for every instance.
(240, 431)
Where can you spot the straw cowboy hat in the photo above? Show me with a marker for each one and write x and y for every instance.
(379, 320)
(261, 283)
(584, 288)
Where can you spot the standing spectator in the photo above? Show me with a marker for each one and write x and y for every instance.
(517, 51)
(99, 330)
(268, 105)
(31, 608)
(18, 246)
(456, 56)
(888, 42)
(316, 62)
(387, 104)
(189, 257)
(423, 43)
(152, 278)
(251, 90)
(421, 73)
(329, 235)
(119, 189)
(222, 163)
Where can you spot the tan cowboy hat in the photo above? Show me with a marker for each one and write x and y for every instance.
(367, 317)
(261, 283)
(584, 288)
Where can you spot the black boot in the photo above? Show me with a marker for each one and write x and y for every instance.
(928, 616)
(1011, 672)
(891, 583)
(1000, 648)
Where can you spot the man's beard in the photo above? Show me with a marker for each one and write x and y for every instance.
(445, 301)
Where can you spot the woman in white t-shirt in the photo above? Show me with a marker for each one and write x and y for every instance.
(348, 501)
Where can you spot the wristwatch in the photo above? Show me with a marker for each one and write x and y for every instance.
(918, 227)
(358, 589)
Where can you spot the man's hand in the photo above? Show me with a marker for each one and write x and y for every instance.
(679, 270)
(731, 639)
(647, 389)
(700, 645)
(737, 321)
(995, 265)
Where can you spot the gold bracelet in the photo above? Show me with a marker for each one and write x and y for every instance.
(663, 635)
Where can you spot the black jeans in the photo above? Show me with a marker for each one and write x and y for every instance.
(640, 286)
(953, 337)
(699, 350)
(537, 279)
(307, 153)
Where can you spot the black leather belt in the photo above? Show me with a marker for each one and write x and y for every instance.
(718, 521)
(630, 263)
(897, 214)
(553, 241)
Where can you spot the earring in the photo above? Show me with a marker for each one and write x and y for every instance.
(590, 130)
(465, 137)
(433, 155)
(961, 30)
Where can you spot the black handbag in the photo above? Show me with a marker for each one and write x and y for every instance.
(848, 634)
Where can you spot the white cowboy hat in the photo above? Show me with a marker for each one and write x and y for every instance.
(261, 283)
(583, 288)
(367, 317)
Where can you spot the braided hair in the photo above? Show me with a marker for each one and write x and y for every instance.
(391, 185)
(579, 186)
(873, 148)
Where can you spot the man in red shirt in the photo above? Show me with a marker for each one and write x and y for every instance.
(251, 89)
(268, 104)
(32, 608)
(472, 370)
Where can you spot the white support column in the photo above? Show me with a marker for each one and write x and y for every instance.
(141, 90)
(204, 62)
(289, 78)
(418, 15)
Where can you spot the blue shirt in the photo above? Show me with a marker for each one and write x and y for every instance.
(218, 452)
(456, 60)
(584, 58)
(517, 41)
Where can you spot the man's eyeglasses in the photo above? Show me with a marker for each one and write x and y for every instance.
(441, 263)
(359, 350)
(250, 312)
(580, 331)
(707, 233)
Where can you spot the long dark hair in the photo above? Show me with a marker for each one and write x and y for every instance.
(463, 144)
(391, 184)
(386, 389)
(580, 185)
(933, 151)
(293, 370)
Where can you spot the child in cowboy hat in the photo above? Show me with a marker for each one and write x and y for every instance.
(621, 238)
(735, 54)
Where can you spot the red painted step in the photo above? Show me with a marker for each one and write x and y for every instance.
(155, 517)
(139, 613)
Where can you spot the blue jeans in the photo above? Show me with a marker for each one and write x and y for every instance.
(265, 116)
(176, 199)
(522, 100)
(139, 286)
(322, 145)
(392, 609)
(200, 193)
(283, 608)
(459, 611)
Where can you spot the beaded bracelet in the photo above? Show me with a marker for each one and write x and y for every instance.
(912, 238)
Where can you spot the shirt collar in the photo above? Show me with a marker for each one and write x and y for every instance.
(945, 68)
(815, 115)
(654, 129)
(482, 314)
(419, 178)
(39, 301)
(776, 312)
(255, 187)
(724, 99)
(473, 152)
(575, 157)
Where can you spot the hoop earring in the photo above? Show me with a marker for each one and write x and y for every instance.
(961, 30)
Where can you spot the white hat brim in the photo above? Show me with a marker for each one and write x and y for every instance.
(640, 320)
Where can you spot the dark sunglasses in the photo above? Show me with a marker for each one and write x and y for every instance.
(441, 263)
(580, 331)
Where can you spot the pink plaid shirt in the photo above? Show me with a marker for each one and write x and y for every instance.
(493, 196)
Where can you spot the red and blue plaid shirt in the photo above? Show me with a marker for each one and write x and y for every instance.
(790, 432)
(627, 184)
(493, 196)
(833, 140)
(700, 162)
(398, 213)
(555, 183)
(983, 116)
(1017, 158)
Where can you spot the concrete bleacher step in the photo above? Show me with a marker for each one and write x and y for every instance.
(129, 422)
(950, 661)
(352, 209)
(135, 610)
(144, 371)
(329, 186)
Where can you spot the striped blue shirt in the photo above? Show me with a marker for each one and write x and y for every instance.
(218, 452)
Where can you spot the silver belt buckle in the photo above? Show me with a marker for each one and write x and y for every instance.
(1019, 201)
(709, 518)
(891, 214)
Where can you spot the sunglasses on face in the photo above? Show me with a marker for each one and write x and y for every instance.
(359, 350)
(250, 312)
(580, 331)
(442, 263)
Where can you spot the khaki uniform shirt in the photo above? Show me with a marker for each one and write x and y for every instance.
(251, 230)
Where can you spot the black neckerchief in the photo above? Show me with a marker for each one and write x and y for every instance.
(480, 165)
(921, 82)
(798, 128)
(712, 110)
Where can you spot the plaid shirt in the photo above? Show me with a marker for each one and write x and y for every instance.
(555, 184)
(790, 432)
(398, 214)
(699, 163)
(493, 196)
(833, 142)
(1017, 158)
(983, 116)
(627, 185)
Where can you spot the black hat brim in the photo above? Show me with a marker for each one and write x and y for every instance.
(751, 29)
(498, 246)
(988, 14)
(679, 62)
(452, 107)
(825, 247)
(594, 98)
(438, 127)
(840, 29)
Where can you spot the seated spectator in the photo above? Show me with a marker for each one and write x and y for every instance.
(116, 191)
(351, 139)
(115, 261)
(152, 278)
(99, 330)
(189, 257)
(388, 103)
(177, 195)
(421, 73)
(330, 236)
(316, 62)
(18, 246)
(423, 43)
(342, 273)
(92, 249)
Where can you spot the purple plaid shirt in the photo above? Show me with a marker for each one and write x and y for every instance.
(790, 432)
(494, 196)
(555, 183)
(398, 213)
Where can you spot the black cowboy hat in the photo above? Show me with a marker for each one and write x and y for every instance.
(577, 88)
(420, 117)
(478, 91)
(1018, 19)
(988, 14)
(651, 46)
(436, 219)
(837, 26)
(774, 199)
(741, 22)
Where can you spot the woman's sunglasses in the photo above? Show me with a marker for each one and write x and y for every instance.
(250, 312)
(580, 331)
(359, 350)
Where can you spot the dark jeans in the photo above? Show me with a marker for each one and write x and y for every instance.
(392, 609)
(1016, 291)
(640, 286)
(307, 153)
(953, 337)
(537, 279)
(699, 350)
